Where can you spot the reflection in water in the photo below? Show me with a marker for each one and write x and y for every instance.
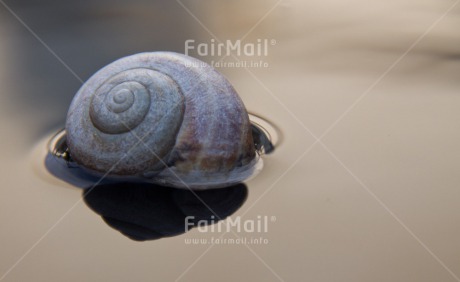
(261, 141)
(144, 211)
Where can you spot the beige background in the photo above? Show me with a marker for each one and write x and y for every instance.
(377, 199)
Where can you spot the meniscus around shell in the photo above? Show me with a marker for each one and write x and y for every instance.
(165, 117)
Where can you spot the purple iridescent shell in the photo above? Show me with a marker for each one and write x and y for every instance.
(162, 116)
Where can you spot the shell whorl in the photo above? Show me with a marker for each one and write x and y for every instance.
(145, 110)
(121, 109)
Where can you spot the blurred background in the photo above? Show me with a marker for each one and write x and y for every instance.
(375, 200)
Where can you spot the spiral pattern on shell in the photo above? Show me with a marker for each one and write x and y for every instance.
(145, 111)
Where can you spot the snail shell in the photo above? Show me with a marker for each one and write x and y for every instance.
(163, 116)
